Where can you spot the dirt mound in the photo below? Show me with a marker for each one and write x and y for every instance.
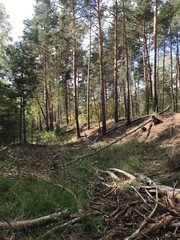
(166, 133)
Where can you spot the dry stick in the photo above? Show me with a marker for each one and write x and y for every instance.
(172, 193)
(128, 175)
(66, 224)
(75, 220)
(111, 174)
(163, 221)
(137, 232)
(173, 211)
(34, 223)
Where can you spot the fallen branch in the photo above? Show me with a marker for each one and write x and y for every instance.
(172, 193)
(126, 174)
(34, 223)
(73, 221)
(165, 110)
(161, 222)
(75, 218)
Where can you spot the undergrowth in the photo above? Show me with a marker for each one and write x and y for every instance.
(29, 198)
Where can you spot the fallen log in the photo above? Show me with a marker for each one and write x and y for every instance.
(34, 223)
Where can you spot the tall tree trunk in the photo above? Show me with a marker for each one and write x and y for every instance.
(101, 69)
(74, 52)
(171, 75)
(66, 97)
(127, 106)
(163, 75)
(50, 109)
(177, 72)
(46, 87)
(150, 72)
(115, 61)
(57, 98)
(88, 94)
(24, 118)
(145, 66)
(21, 119)
(89, 73)
(155, 94)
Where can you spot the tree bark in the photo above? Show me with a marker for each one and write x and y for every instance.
(115, 61)
(171, 75)
(101, 69)
(155, 94)
(74, 52)
(145, 66)
(177, 72)
(127, 105)
(89, 73)
(34, 223)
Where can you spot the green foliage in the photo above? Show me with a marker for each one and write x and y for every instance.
(30, 198)
(8, 114)
(46, 137)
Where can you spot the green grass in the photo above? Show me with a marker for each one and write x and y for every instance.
(30, 198)
(133, 157)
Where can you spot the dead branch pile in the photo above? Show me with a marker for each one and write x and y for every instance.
(130, 207)
(135, 207)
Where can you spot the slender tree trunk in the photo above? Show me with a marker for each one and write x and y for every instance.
(75, 93)
(155, 94)
(171, 76)
(57, 104)
(145, 66)
(66, 98)
(24, 119)
(21, 119)
(74, 52)
(40, 122)
(13, 131)
(115, 61)
(163, 75)
(50, 109)
(101, 69)
(177, 72)
(46, 88)
(127, 110)
(88, 94)
(89, 74)
(150, 73)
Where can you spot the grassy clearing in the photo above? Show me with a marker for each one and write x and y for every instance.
(134, 157)
(32, 198)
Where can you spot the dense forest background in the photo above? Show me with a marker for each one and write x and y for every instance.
(80, 62)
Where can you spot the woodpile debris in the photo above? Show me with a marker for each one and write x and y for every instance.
(136, 207)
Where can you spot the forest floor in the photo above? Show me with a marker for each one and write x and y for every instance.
(106, 208)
